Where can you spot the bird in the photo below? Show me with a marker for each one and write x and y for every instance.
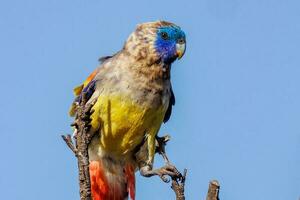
(132, 97)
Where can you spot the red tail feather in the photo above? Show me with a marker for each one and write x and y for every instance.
(111, 182)
(129, 172)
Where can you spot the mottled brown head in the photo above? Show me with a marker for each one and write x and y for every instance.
(158, 41)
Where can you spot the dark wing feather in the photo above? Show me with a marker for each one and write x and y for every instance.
(169, 110)
(105, 58)
(87, 91)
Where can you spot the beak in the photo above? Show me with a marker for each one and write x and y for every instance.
(180, 50)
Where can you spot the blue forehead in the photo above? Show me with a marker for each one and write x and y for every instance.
(172, 31)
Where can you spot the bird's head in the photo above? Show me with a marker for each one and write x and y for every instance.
(157, 41)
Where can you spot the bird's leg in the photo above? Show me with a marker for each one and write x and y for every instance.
(167, 170)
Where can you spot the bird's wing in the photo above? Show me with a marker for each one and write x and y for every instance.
(171, 104)
(88, 86)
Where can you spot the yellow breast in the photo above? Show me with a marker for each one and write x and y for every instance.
(124, 123)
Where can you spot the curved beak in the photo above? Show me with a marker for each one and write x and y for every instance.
(180, 50)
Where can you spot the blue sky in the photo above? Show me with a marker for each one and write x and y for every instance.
(237, 109)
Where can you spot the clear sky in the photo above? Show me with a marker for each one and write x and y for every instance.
(237, 113)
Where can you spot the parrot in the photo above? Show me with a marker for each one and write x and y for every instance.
(133, 97)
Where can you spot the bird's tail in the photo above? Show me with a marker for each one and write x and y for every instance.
(111, 181)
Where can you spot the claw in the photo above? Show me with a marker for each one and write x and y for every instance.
(163, 172)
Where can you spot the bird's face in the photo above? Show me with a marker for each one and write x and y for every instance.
(170, 43)
(156, 41)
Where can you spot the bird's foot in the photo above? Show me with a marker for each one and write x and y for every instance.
(163, 172)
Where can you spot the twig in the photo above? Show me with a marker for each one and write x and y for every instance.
(68, 139)
(213, 190)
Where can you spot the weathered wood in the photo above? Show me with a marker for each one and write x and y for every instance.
(178, 186)
(82, 138)
(213, 190)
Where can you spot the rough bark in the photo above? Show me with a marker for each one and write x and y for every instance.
(213, 190)
(178, 186)
(79, 146)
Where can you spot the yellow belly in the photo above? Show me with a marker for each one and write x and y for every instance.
(123, 123)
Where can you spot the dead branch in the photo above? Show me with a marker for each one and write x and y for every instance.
(79, 147)
(213, 190)
(178, 186)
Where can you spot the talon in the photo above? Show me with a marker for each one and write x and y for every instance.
(165, 179)
(163, 172)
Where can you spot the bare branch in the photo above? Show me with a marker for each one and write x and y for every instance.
(213, 190)
(178, 186)
(80, 149)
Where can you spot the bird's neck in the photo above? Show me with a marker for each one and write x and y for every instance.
(155, 72)
(147, 66)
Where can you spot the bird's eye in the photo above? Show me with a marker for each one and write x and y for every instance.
(164, 35)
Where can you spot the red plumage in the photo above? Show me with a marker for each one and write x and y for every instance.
(108, 182)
